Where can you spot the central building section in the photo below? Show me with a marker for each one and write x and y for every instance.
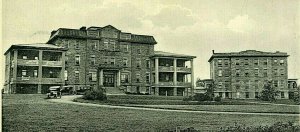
(120, 62)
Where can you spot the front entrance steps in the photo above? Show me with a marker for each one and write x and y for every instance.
(114, 91)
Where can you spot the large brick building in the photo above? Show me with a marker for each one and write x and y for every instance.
(243, 74)
(116, 60)
(33, 68)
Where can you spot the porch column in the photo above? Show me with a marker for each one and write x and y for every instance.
(192, 77)
(15, 65)
(175, 77)
(40, 71)
(101, 77)
(119, 78)
(156, 77)
(63, 68)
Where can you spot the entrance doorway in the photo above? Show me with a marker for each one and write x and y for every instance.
(109, 78)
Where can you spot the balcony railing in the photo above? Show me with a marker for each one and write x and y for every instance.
(184, 69)
(185, 84)
(28, 62)
(166, 83)
(165, 69)
(52, 63)
(51, 80)
(27, 80)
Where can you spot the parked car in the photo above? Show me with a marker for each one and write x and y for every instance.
(81, 90)
(54, 91)
(68, 90)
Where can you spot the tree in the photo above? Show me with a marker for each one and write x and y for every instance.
(198, 82)
(297, 96)
(210, 91)
(269, 93)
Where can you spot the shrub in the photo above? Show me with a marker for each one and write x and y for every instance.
(218, 99)
(277, 127)
(96, 94)
(202, 97)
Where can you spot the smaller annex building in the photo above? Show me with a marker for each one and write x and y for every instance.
(33, 68)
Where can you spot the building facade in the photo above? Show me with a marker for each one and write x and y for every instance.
(293, 87)
(244, 74)
(118, 61)
(172, 74)
(33, 68)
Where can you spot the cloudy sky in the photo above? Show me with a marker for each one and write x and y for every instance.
(188, 27)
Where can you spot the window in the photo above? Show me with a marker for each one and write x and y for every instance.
(220, 84)
(256, 62)
(125, 62)
(148, 63)
(112, 61)
(93, 60)
(256, 71)
(282, 72)
(77, 76)
(256, 84)
(220, 62)
(35, 73)
(113, 43)
(77, 59)
(281, 62)
(237, 62)
(148, 77)
(275, 61)
(76, 44)
(105, 60)
(237, 72)
(246, 62)
(282, 83)
(247, 74)
(138, 63)
(247, 94)
(275, 83)
(256, 95)
(220, 94)
(139, 51)
(124, 47)
(125, 77)
(275, 72)
(220, 73)
(24, 73)
(265, 72)
(282, 94)
(138, 77)
(105, 41)
(247, 84)
(266, 62)
(24, 57)
(94, 44)
(66, 75)
(93, 76)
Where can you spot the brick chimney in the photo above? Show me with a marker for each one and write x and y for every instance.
(213, 51)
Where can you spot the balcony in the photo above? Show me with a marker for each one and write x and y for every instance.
(52, 63)
(166, 84)
(165, 69)
(184, 69)
(184, 84)
(52, 80)
(33, 80)
(28, 62)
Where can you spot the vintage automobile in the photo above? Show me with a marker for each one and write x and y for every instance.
(68, 90)
(54, 91)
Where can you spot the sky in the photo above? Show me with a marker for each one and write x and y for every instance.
(193, 27)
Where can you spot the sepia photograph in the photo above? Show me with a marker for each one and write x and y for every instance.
(150, 65)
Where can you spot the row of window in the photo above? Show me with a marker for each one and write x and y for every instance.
(247, 84)
(247, 72)
(247, 94)
(125, 77)
(247, 62)
(108, 44)
(112, 61)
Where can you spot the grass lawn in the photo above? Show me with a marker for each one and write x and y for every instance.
(34, 113)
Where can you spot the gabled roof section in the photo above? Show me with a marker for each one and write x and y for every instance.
(169, 54)
(249, 53)
(35, 46)
(111, 27)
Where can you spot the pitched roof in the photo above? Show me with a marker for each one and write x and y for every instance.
(169, 54)
(35, 46)
(249, 53)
